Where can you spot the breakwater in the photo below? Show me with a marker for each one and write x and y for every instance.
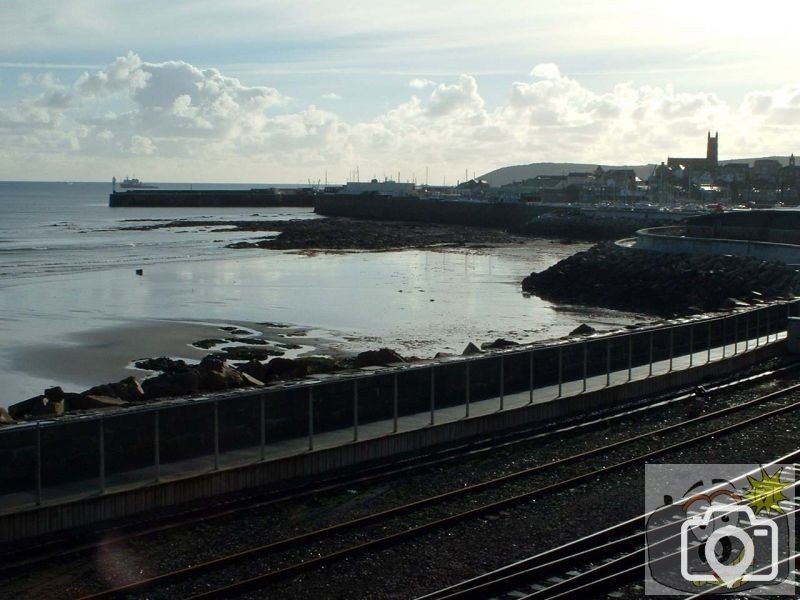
(482, 214)
(257, 197)
(522, 218)
(662, 283)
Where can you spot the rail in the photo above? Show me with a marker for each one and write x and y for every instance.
(82, 455)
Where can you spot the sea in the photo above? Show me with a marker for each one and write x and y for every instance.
(68, 267)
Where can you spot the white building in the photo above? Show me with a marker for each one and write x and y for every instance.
(384, 188)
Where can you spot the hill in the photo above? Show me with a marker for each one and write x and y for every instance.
(505, 175)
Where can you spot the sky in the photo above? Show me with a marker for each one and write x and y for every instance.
(274, 91)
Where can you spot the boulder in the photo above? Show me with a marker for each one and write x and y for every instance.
(318, 364)
(443, 355)
(89, 402)
(5, 418)
(471, 350)
(45, 408)
(377, 358)
(20, 409)
(247, 353)
(583, 329)
(54, 394)
(283, 368)
(127, 390)
(498, 343)
(162, 363)
(178, 383)
(215, 375)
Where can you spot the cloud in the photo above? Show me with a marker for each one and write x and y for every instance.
(331, 96)
(185, 122)
(141, 145)
(546, 71)
(460, 97)
(421, 84)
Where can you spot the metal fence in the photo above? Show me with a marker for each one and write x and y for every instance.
(86, 454)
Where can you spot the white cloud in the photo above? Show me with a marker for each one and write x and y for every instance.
(461, 97)
(421, 84)
(331, 96)
(184, 122)
(141, 145)
(546, 71)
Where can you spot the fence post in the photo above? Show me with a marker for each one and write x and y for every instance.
(585, 361)
(216, 435)
(746, 331)
(608, 363)
(650, 371)
(691, 344)
(466, 399)
(262, 429)
(433, 396)
(502, 380)
(530, 378)
(394, 406)
(708, 356)
(310, 418)
(758, 328)
(671, 347)
(560, 368)
(157, 443)
(766, 312)
(735, 334)
(101, 446)
(38, 463)
(724, 338)
(630, 357)
(355, 410)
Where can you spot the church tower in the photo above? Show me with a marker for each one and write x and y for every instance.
(712, 149)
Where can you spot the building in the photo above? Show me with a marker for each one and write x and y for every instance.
(383, 188)
(709, 163)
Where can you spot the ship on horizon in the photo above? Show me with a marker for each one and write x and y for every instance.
(132, 183)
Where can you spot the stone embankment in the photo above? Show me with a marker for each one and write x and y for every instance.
(659, 283)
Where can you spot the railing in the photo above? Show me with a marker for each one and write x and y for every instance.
(86, 454)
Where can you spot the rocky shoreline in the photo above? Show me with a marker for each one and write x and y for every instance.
(341, 233)
(173, 378)
(662, 284)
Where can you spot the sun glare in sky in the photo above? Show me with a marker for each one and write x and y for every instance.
(283, 91)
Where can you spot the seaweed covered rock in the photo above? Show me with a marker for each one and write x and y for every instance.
(378, 358)
(211, 375)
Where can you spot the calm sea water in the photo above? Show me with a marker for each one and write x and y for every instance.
(67, 270)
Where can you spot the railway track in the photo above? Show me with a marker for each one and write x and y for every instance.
(391, 527)
(589, 566)
(14, 558)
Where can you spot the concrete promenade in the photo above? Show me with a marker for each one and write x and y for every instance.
(117, 483)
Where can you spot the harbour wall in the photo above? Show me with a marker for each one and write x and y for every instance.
(267, 197)
(523, 218)
(374, 206)
(702, 241)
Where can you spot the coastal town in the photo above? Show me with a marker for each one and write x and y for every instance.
(677, 184)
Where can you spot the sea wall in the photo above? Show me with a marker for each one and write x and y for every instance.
(188, 428)
(212, 198)
(531, 219)
(502, 215)
(703, 241)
